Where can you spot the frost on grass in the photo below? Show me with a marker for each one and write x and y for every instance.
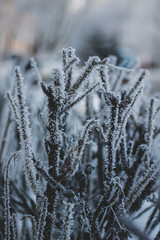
(67, 220)
(86, 183)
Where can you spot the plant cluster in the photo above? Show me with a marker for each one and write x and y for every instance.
(86, 183)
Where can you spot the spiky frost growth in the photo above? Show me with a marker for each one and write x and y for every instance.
(67, 220)
(74, 155)
(136, 191)
(103, 71)
(60, 99)
(103, 181)
(42, 219)
(34, 224)
(127, 104)
(69, 60)
(7, 213)
(22, 118)
(14, 227)
(110, 161)
(89, 222)
(150, 127)
(87, 69)
(120, 109)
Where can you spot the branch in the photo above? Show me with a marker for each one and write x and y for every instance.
(81, 97)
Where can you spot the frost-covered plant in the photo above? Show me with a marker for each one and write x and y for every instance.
(89, 182)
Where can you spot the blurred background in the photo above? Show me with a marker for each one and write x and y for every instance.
(128, 29)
